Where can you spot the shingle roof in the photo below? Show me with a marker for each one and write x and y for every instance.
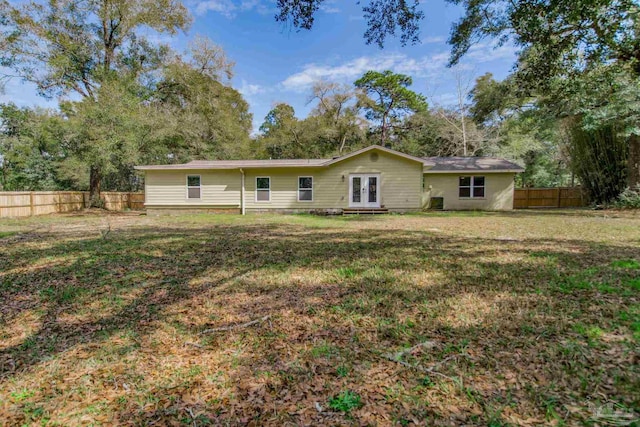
(433, 164)
(236, 164)
(470, 164)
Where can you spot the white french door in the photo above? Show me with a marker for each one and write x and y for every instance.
(364, 191)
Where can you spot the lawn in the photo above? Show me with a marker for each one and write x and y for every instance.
(522, 318)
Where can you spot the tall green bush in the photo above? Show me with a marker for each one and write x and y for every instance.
(599, 159)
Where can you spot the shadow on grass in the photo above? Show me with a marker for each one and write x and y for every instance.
(361, 293)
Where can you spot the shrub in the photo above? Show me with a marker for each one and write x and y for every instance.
(629, 199)
(345, 401)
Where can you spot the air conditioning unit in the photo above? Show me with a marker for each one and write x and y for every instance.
(436, 203)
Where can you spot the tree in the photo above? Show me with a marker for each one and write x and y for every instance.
(569, 51)
(523, 132)
(76, 46)
(384, 18)
(286, 137)
(568, 43)
(386, 99)
(438, 132)
(31, 148)
(208, 118)
(108, 133)
(337, 114)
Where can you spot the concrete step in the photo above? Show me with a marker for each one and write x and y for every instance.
(365, 211)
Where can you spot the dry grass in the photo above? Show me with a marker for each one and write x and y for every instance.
(529, 318)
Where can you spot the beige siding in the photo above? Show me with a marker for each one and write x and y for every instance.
(498, 192)
(400, 186)
(169, 188)
(400, 183)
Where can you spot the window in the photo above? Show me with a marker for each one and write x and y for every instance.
(263, 189)
(305, 188)
(471, 187)
(193, 186)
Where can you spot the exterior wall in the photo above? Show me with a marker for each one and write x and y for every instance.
(219, 188)
(174, 210)
(498, 191)
(400, 184)
(400, 187)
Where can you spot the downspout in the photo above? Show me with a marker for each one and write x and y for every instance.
(242, 209)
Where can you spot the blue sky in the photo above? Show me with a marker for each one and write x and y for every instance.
(274, 63)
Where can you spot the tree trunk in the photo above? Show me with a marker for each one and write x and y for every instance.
(633, 162)
(95, 179)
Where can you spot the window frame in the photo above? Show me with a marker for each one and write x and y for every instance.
(263, 189)
(199, 187)
(472, 186)
(306, 189)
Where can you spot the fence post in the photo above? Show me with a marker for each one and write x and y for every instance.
(527, 199)
(31, 207)
(559, 197)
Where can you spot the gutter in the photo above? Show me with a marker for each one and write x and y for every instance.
(242, 207)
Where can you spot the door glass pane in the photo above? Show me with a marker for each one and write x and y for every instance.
(356, 184)
(373, 189)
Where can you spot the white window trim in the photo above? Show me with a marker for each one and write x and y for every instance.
(256, 195)
(472, 185)
(194, 186)
(312, 189)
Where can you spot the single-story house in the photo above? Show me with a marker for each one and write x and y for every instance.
(375, 178)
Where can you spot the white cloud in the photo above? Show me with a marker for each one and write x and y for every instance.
(351, 70)
(247, 89)
(224, 7)
(229, 8)
(330, 7)
(434, 40)
(433, 67)
(487, 52)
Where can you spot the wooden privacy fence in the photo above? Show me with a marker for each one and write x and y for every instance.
(560, 197)
(29, 203)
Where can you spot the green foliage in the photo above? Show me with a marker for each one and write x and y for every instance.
(108, 133)
(205, 117)
(556, 37)
(578, 59)
(77, 47)
(31, 148)
(139, 102)
(631, 264)
(384, 18)
(629, 199)
(386, 99)
(346, 401)
(333, 126)
(598, 158)
(74, 46)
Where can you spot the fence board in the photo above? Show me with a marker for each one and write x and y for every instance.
(27, 203)
(560, 197)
